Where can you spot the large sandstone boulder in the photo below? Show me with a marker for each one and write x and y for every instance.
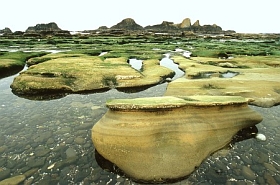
(185, 23)
(196, 23)
(154, 139)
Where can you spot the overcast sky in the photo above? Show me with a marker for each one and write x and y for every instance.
(246, 16)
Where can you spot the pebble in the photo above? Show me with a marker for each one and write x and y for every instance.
(248, 173)
(41, 151)
(270, 167)
(70, 152)
(4, 174)
(260, 137)
(13, 180)
(79, 140)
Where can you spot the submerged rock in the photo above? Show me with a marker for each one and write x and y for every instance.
(159, 138)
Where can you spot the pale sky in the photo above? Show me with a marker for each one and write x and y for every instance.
(243, 16)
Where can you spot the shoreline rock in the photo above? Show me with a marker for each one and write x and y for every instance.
(148, 138)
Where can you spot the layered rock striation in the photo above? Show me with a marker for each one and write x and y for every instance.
(159, 138)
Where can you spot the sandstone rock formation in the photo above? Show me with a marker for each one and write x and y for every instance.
(185, 23)
(127, 24)
(258, 80)
(153, 139)
(56, 74)
(196, 23)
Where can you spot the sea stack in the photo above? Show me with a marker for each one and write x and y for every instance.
(158, 138)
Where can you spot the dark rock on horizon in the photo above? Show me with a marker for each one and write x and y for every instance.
(43, 30)
(6, 31)
(103, 28)
(164, 26)
(43, 27)
(196, 23)
(127, 24)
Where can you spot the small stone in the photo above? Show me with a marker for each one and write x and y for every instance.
(269, 178)
(4, 174)
(70, 152)
(31, 172)
(41, 151)
(260, 137)
(13, 180)
(3, 149)
(36, 162)
(270, 167)
(248, 173)
(50, 141)
(79, 140)
(66, 162)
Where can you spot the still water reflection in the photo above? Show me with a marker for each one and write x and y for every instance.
(50, 142)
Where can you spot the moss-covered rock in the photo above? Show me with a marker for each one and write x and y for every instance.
(82, 73)
(13, 62)
(257, 79)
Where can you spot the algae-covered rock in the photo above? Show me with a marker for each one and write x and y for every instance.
(256, 78)
(154, 139)
(82, 73)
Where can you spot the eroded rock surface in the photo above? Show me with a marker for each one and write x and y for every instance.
(154, 139)
(257, 79)
(82, 73)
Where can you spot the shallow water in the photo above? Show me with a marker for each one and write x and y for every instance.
(167, 62)
(136, 64)
(38, 134)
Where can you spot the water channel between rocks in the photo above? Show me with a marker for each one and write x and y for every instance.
(55, 137)
(166, 62)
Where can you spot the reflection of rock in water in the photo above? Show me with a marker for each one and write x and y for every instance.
(154, 139)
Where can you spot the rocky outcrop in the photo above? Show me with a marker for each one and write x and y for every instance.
(185, 23)
(44, 30)
(70, 73)
(43, 27)
(159, 138)
(127, 24)
(196, 23)
(6, 31)
(164, 26)
(257, 72)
